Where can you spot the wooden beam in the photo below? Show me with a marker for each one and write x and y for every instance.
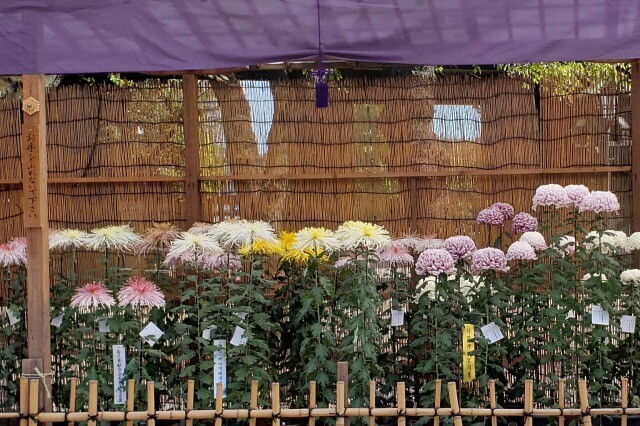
(635, 146)
(190, 118)
(36, 222)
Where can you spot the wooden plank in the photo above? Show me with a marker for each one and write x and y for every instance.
(635, 145)
(190, 122)
(413, 203)
(36, 222)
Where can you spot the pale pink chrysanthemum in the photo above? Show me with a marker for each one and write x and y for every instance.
(524, 222)
(459, 246)
(13, 253)
(200, 227)
(344, 261)
(427, 243)
(158, 237)
(490, 216)
(92, 295)
(535, 240)
(395, 254)
(179, 259)
(489, 259)
(138, 292)
(521, 250)
(550, 195)
(504, 208)
(600, 202)
(220, 261)
(576, 193)
(435, 262)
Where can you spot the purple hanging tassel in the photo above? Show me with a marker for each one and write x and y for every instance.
(322, 94)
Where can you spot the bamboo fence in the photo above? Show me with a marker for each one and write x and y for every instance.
(30, 413)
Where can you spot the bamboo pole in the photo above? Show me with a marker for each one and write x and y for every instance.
(24, 400)
(253, 402)
(93, 403)
(73, 389)
(191, 386)
(561, 401)
(372, 401)
(624, 400)
(401, 402)
(528, 402)
(583, 396)
(343, 376)
(312, 402)
(275, 404)
(340, 408)
(131, 398)
(34, 401)
(151, 404)
(219, 411)
(455, 406)
(493, 401)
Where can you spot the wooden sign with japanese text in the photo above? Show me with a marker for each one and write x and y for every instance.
(31, 177)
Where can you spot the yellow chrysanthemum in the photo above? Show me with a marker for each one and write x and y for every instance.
(296, 257)
(262, 248)
(287, 239)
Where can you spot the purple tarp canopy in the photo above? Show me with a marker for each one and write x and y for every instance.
(82, 36)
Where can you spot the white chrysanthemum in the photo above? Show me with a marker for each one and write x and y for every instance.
(315, 239)
(239, 233)
(353, 234)
(601, 277)
(120, 238)
(68, 238)
(188, 245)
(427, 243)
(630, 276)
(468, 287)
(566, 245)
(612, 241)
(633, 242)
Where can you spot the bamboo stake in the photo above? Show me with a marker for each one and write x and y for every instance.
(402, 404)
(312, 402)
(492, 401)
(340, 409)
(34, 401)
(624, 397)
(151, 404)
(93, 402)
(372, 401)
(219, 412)
(455, 406)
(253, 403)
(561, 401)
(275, 403)
(528, 402)
(438, 398)
(191, 386)
(24, 400)
(131, 397)
(583, 395)
(72, 396)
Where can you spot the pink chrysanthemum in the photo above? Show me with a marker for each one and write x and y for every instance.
(92, 295)
(489, 259)
(535, 240)
(14, 253)
(491, 216)
(459, 246)
(395, 254)
(158, 237)
(138, 292)
(504, 208)
(600, 202)
(200, 228)
(344, 261)
(550, 195)
(435, 262)
(220, 261)
(576, 193)
(521, 250)
(524, 222)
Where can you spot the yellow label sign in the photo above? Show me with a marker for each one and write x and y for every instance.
(468, 346)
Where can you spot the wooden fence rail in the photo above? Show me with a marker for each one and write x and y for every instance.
(29, 413)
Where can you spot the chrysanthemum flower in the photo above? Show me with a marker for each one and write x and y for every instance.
(119, 238)
(566, 245)
(139, 292)
(92, 295)
(489, 259)
(524, 222)
(550, 195)
(630, 276)
(633, 241)
(159, 236)
(459, 246)
(220, 261)
(504, 208)
(286, 239)
(535, 240)
(262, 248)
(296, 257)
(344, 261)
(435, 262)
(315, 238)
(395, 254)
(200, 228)
(521, 250)
(233, 234)
(576, 193)
(490, 216)
(13, 254)
(68, 238)
(600, 202)
(354, 234)
(189, 245)
(612, 241)
(427, 243)
(596, 277)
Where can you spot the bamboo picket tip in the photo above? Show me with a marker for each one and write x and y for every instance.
(624, 400)
(455, 406)
(528, 402)
(561, 400)
(93, 403)
(401, 402)
(340, 408)
(24, 400)
(191, 386)
(438, 398)
(151, 404)
(372, 401)
(131, 393)
(275, 403)
(219, 411)
(493, 401)
(312, 402)
(253, 403)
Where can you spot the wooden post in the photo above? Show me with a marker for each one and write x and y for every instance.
(413, 203)
(635, 145)
(343, 376)
(36, 222)
(190, 121)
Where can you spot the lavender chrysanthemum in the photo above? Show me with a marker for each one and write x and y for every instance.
(92, 295)
(521, 250)
(550, 195)
(576, 193)
(524, 222)
(489, 259)
(395, 254)
(139, 292)
(459, 246)
(435, 262)
(490, 216)
(535, 240)
(504, 208)
(220, 261)
(600, 202)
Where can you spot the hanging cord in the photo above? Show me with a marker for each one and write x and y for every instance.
(321, 74)
(42, 376)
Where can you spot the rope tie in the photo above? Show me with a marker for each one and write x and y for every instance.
(66, 416)
(586, 411)
(493, 410)
(153, 416)
(371, 412)
(435, 412)
(43, 378)
(22, 416)
(186, 414)
(528, 414)
(126, 415)
(456, 413)
(217, 415)
(275, 416)
(561, 412)
(624, 411)
(343, 414)
(92, 418)
(33, 418)
(249, 412)
(401, 411)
